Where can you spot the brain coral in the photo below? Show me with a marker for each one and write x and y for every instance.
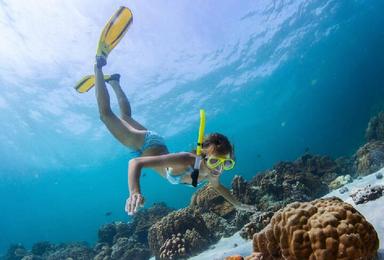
(320, 229)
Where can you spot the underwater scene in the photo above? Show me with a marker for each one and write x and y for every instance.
(191, 129)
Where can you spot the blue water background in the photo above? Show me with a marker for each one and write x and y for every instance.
(311, 81)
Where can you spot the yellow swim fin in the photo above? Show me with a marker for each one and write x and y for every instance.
(114, 31)
(87, 83)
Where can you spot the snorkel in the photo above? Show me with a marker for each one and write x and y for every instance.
(196, 167)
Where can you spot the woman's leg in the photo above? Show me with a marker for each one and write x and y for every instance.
(124, 105)
(120, 129)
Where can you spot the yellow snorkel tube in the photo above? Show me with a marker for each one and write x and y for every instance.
(196, 167)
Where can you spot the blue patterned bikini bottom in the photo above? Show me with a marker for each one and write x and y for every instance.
(151, 139)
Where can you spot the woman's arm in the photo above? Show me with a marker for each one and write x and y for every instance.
(134, 170)
(160, 161)
(229, 197)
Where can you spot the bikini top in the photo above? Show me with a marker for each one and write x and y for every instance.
(177, 179)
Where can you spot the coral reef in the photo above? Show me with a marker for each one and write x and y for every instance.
(322, 166)
(369, 158)
(138, 229)
(345, 165)
(208, 200)
(375, 129)
(116, 240)
(368, 193)
(128, 248)
(218, 226)
(78, 251)
(120, 240)
(257, 222)
(103, 251)
(241, 218)
(144, 219)
(302, 180)
(186, 222)
(321, 229)
(16, 252)
(41, 248)
(340, 181)
(47, 251)
(106, 233)
(173, 248)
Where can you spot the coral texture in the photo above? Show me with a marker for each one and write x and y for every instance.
(190, 224)
(321, 229)
(40, 248)
(103, 251)
(144, 219)
(368, 193)
(340, 181)
(129, 240)
(257, 222)
(302, 180)
(71, 251)
(375, 129)
(369, 158)
(128, 248)
(218, 226)
(208, 200)
(173, 248)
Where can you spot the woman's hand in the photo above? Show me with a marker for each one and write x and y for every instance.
(133, 203)
(246, 207)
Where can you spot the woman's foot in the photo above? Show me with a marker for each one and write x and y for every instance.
(113, 80)
(114, 77)
(101, 61)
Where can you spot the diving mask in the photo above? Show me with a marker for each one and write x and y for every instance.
(214, 161)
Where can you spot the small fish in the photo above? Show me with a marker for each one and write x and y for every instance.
(258, 155)
(21, 252)
(313, 82)
(108, 213)
(144, 174)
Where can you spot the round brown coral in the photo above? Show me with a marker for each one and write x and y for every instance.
(321, 229)
(173, 248)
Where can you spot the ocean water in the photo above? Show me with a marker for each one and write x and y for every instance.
(276, 77)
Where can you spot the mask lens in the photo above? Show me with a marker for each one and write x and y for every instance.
(228, 164)
(213, 162)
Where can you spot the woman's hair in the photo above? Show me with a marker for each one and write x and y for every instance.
(216, 143)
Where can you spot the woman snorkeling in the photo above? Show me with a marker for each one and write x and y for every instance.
(151, 151)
